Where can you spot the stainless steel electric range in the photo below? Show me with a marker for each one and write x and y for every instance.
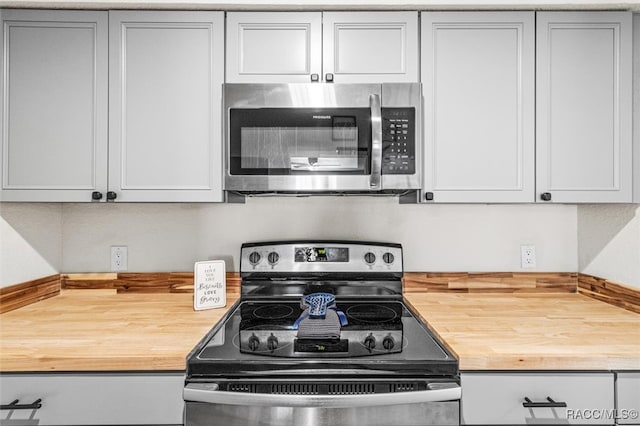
(321, 336)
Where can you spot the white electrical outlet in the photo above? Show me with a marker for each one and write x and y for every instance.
(528, 256)
(118, 258)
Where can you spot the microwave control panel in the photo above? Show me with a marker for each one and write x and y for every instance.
(398, 141)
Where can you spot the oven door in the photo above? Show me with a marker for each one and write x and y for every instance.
(295, 405)
(303, 138)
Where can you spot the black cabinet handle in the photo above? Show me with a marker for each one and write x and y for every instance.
(545, 196)
(328, 77)
(550, 403)
(428, 196)
(315, 77)
(96, 195)
(111, 196)
(13, 405)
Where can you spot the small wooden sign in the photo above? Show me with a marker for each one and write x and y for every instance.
(209, 285)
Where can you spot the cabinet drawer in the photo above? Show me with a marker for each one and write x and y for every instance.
(497, 398)
(628, 398)
(95, 399)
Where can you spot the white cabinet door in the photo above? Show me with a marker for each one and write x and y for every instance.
(165, 73)
(94, 398)
(628, 397)
(478, 85)
(584, 102)
(273, 47)
(303, 47)
(521, 398)
(636, 107)
(54, 105)
(370, 47)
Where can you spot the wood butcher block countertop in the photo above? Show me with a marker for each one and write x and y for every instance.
(100, 330)
(553, 331)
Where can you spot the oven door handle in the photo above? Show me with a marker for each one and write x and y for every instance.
(375, 182)
(209, 393)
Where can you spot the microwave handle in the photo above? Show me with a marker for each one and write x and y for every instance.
(375, 182)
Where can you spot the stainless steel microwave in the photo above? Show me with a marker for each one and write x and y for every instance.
(322, 138)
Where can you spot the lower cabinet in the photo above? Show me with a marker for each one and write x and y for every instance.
(547, 398)
(92, 398)
(628, 398)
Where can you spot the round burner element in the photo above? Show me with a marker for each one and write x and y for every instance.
(372, 314)
(272, 312)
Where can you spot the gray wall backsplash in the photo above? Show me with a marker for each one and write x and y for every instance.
(171, 237)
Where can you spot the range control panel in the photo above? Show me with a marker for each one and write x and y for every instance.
(324, 256)
(398, 141)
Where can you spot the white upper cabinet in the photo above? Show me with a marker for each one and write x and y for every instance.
(341, 47)
(478, 85)
(370, 47)
(166, 75)
(584, 107)
(54, 105)
(636, 107)
(273, 47)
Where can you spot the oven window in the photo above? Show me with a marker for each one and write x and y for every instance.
(299, 141)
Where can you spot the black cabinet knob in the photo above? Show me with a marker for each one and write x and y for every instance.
(545, 196)
(111, 196)
(96, 195)
(428, 196)
(328, 77)
(315, 77)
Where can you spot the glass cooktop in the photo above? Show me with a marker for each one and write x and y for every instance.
(380, 336)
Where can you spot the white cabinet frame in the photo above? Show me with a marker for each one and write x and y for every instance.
(54, 105)
(184, 156)
(479, 110)
(305, 47)
(370, 47)
(269, 47)
(584, 107)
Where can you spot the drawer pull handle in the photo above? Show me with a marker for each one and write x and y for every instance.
(13, 405)
(549, 404)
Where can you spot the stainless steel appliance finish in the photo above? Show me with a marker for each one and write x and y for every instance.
(322, 138)
(385, 368)
(208, 406)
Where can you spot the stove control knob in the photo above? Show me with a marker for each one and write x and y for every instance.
(254, 257)
(388, 258)
(388, 343)
(272, 342)
(369, 342)
(254, 342)
(369, 258)
(273, 258)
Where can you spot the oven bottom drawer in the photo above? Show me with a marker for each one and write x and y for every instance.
(419, 414)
